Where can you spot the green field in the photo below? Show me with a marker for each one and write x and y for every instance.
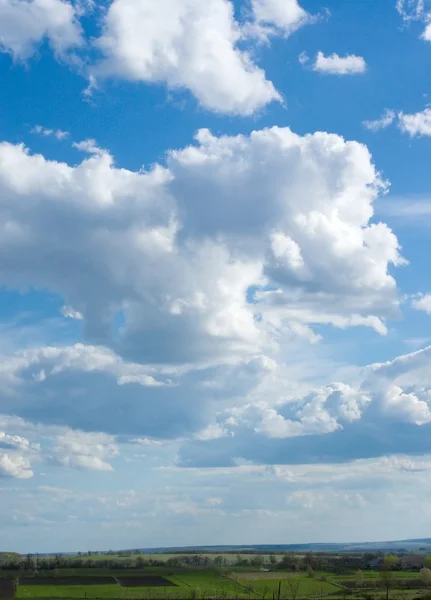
(188, 583)
(206, 583)
(267, 584)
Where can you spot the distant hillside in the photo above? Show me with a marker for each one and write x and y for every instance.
(422, 545)
(410, 545)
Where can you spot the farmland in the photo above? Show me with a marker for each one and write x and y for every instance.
(194, 583)
(69, 583)
(207, 576)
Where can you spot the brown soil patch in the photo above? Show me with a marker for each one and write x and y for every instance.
(7, 588)
(72, 580)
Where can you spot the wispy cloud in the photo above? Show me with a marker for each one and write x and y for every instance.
(59, 134)
(386, 119)
(410, 208)
(416, 10)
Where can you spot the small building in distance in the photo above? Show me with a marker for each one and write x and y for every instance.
(375, 563)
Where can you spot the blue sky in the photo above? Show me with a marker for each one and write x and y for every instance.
(214, 272)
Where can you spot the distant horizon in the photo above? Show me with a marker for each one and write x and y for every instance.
(234, 547)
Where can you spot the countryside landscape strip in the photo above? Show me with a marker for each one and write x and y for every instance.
(290, 576)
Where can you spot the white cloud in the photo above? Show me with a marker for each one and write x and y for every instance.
(59, 134)
(89, 146)
(82, 450)
(40, 364)
(92, 389)
(308, 502)
(286, 219)
(15, 465)
(49, 444)
(411, 9)
(303, 58)
(13, 441)
(416, 124)
(69, 313)
(324, 410)
(423, 303)
(382, 122)
(286, 223)
(416, 10)
(277, 17)
(25, 24)
(426, 35)
(186, 44)
(386, 411)
(339, 65)
(211, 432)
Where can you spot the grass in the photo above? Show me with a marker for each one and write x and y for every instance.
(204, 584)
(208, 584)
(266, 584)
(375, 575)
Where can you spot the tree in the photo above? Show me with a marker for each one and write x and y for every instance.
(309, 560)
(390, 561)
(218, 561)
(427, 562)
(310, 571)
(426, 576)
(386, 578)
(293, 584)
(264, 591)
(359, 578)
(273, 560)
(257, 561)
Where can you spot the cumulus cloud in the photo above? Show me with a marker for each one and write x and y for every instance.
(415, 124)
(87, 451)
(24, 26)
(189, 278)
(277, 17)
(282, 241)
(389, 412)
(339, 65)
(91, 389)
(322, 411)
(186, 45)
(382, 122)
(15, 465)
(423, 303)
(89, 146)
(13, 441)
